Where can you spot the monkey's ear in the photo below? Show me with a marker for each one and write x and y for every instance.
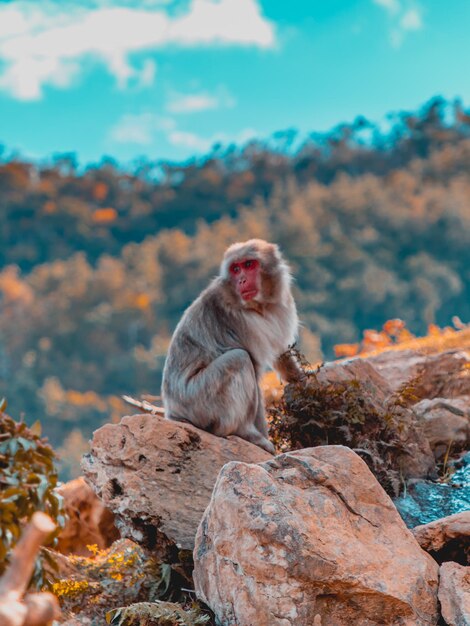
(272, 255)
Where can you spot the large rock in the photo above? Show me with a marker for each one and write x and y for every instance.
(444, 375)
(454, 594)
(447, 539)
(157, 476)
(373, 383)
(445, 422)
(310, 537)
(398, 367)
(413, 456)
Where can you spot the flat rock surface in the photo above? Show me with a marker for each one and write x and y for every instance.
(417, 459)
(445, 421)
(157, 476)
(310, 537)
(454, 594)
(447, 538)
(444, 375)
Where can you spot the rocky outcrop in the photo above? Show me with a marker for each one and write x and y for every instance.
(454, 594)
(372, 381)
(310, 537)
(397, 367)
(88, 521)
(442, 375)
(447, 539)
(424, 399)
(446, 421)
(380, 399)
(157, 476)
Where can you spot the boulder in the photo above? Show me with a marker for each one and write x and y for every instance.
(445, 422)
(373, 383)
(397, 367)
(447, 539)
(310, 537)
(157, 476)
(444, 375)
(413, 457)
(88, 521)
(454, 593)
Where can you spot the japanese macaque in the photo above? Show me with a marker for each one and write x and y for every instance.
(242, 324)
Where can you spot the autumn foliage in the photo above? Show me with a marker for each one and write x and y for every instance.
(96, 266)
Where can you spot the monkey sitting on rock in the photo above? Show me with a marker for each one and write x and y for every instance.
(240, 325)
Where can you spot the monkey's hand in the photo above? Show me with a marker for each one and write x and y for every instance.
(289, 367)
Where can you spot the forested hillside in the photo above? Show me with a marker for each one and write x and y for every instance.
(96, 266)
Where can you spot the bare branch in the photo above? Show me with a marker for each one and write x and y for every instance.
(144, 406)
(37, 609)
(18, 574)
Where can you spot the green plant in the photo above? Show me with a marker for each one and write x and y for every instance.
(156, 614)
(120, 575)
(344, 412)
(27, 480)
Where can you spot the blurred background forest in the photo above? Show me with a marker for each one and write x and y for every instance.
(97, 265)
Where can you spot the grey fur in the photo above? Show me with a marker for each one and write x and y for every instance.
(222, 345)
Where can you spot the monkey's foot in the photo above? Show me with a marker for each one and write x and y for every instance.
(267, 445)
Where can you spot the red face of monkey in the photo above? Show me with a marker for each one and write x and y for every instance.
(245, 275)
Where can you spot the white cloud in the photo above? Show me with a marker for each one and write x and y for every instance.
(190, 140)
(201, 101)
(191, 103)
(204, 144)
(140, 128)
(147, 73)
(144, 128)
(412, 20)
(49, 43)
(403, 17)
(392, 6)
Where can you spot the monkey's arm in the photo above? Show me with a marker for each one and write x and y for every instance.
(289, 368)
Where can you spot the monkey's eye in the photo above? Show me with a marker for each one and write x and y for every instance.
(250, 264)
(235, 269)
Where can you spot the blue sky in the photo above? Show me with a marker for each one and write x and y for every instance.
(167, 79)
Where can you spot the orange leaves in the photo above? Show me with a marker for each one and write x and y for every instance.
(13, 288)
(211, 176)
(374, 340)
(100, 191)
(49, 207)
(104, 216)
(83, 399)
(393, 332)
(346, 350)
(434, 330)
(15, 174)
(141, 301)
(393, 327)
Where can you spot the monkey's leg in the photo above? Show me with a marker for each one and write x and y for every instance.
(260, 419)
(249, 432)
(215, 396)
(225, 398)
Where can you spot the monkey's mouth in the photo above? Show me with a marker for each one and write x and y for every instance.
(249, 295)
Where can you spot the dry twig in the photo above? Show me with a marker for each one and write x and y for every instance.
(35, 609)
(144, 406)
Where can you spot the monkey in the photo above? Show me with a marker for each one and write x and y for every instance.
(239, 326)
